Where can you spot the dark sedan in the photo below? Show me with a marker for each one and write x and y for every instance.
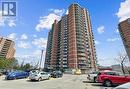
(56, 74)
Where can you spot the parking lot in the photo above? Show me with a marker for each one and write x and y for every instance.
(66, 82)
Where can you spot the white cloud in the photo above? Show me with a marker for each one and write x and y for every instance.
(124, 10)
(113, 39)
(2, 19)
(24, 37)
(34, 36)
(41, 42)
(11, 22)
(12, 36)
(67, 12)
(97, 42)
(24, 45)
(59, 12)
(101, 29)
(117, 31)
(46, 22)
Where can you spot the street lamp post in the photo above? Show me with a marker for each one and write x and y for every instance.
(41, 59)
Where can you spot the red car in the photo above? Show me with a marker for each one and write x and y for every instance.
(108, 78)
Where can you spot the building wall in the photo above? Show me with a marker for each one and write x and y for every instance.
(58, 54)
(124, 29)
(11, 51)
(72, 41)
(72, 53)
(48, 50)
(85, 48)
(63, 44)
(2, 41)
(92, 51)
(7, 49)
(54, 44)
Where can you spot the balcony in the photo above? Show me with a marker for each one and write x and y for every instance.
(83, 67)
(82, 63)
(82, 54)
(64, 62)
(81, 50)
(65, 66)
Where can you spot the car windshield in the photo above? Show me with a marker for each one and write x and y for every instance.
(99, 74)
(112, 73)
(12, 73)
(34, 71)
(96, 72)
(43, 73)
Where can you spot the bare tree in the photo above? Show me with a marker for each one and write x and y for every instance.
(122, 59)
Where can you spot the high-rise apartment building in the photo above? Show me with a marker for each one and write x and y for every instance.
(124, 29)
(7, 49)
(71, 42)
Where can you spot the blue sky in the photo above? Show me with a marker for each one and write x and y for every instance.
(29, 29)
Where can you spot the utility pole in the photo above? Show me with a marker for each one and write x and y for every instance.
(41, 59)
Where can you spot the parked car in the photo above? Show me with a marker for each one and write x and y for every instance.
(108, 78)
(34, 71)
(39, 76)
(56, 74)
(92, 76)
(4, 71)
(123, 86)
(16, 75)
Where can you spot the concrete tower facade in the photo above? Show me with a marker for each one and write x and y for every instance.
(71, 42)
(124, 29)
(7, 49)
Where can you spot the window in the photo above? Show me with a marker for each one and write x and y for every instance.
(112, 73)
(42, 73)
(94, 72)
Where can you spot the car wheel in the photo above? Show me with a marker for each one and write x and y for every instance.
(14, 78)
(57, 76)
(107, 83)
(39, 79)
(32, 79)
(49, 77)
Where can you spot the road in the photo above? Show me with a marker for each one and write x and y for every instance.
(66, 82)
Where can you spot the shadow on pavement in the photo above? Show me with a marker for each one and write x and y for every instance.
(87, 82)
(7, 80)
(103, 87)
(32, 81)
(36, 80)
(99, 85)
(96, 84)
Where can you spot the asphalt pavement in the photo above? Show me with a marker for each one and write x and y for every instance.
(68, 81)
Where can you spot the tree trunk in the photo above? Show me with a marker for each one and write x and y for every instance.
(122, 67)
